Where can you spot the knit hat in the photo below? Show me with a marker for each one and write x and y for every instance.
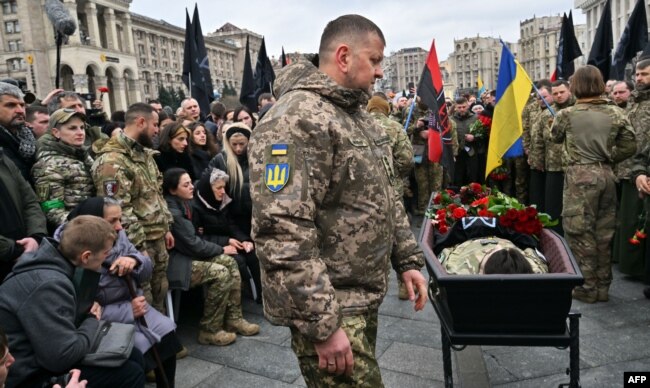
(378, 104)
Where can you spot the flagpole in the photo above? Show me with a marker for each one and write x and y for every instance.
(548, 106)
(408, 119)
(189, 77)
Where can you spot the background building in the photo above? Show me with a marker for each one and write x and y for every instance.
(473, 57)
(403, 67)
(130, 54)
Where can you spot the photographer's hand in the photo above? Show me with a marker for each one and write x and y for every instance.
(74, 380)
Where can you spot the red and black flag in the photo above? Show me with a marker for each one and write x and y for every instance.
(568, 50)
(601, 50)
(247, 91)
(431, 93)
(633, 40)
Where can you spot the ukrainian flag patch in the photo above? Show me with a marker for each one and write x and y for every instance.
(279, 149)
(276, 176)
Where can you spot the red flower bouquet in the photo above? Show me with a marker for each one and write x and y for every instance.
(474, 199)
(480, 128)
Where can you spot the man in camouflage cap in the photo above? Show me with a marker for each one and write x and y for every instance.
(125, 170)
(325, 218)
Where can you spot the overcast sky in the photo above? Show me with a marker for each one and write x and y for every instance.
(297, 24)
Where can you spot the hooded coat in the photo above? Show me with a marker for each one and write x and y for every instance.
(328, 232)
(38, 309)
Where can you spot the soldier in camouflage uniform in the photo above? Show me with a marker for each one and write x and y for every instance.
(554, 155)
(534, 147)
(72, 100)
(463, 118)
(631, 258)
(125, 170)
(325, 219)
(400, 144)
(428, 175)
(61, 173)
(596, 134)
(469, 257)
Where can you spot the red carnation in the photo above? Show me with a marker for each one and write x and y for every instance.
(485, 213)
(443, 229)
(640, 234)
(634, 241)
(479, 202)
(459, 213)
(103, 89)
(437, 199)
(451, 207)
(450, 192)
(476, 188)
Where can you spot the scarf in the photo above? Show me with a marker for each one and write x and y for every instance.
(25, 139)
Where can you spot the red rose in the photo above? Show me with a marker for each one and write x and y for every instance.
(640, 235)
(476, 188)
(443, 229)
(103, 89)
(450, 192)
(529, 228)
(437, 199)
(531, 211)
(634, 241)
(505, 221)
(485, 213)
(459, 213)
(519, 228)
(522, 217)
(451, 207)
(511, 214)
(441, 214)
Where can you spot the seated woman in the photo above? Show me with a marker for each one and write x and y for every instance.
(195, 261)
(62, 170)
(115, 298)
(174, 150)
(214, 218)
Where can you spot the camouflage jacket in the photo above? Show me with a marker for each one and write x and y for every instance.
(639, 116)
(554, 153)
(413, 131)
(62, 178)
(466, 258)
(325, 220)
(127, 171)
(594, 131)
(462, 126)
(453, 135)
(401, 147)
(530, 110)
(536, 153)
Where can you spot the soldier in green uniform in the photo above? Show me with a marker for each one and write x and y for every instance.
(59, 99)
(325, 218)
(596, 134)
(125, 170)
(534, 147)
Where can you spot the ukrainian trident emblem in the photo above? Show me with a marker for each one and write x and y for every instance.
(276, 176)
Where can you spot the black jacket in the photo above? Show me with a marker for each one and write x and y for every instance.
(168, 159)
(242, 204)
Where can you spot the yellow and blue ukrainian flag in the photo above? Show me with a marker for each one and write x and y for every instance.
(480, 86)
(513, 91)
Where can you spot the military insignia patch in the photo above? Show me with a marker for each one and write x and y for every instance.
(279, 149)
(110, 188)
(276, 176)
(43, 192)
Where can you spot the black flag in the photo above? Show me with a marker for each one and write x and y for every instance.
(633, 40)
(247, 93)
(601, 50)
(264, 75)
(196, 65)
(283, 58)
(568, 49)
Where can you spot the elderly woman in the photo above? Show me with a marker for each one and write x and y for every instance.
(114, 296)
(596, 135)
(195, 261)
(174, 147)
(214, 218)
(61, 173)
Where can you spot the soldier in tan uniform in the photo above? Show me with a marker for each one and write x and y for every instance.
(534, 147)
(596, 134)
(325, 218)
(125, 170)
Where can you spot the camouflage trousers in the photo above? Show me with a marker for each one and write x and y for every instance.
(428, 176)
(155, 291)
(362, 333)
(222, 302)
(589, 220)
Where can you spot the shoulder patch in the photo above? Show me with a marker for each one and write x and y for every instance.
(276, 176)
(43, 192)
(111, 187)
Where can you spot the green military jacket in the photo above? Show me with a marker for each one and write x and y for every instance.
(531, 108)
(638, 112)
(462, 126)
(536, 153)
(326, 223)
(594, 131)
(126, 171)
(554, 159)
(62, 178)
(401, 147)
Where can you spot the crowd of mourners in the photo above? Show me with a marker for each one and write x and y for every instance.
(155, 201)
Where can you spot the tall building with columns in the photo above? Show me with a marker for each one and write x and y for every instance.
(129, 54)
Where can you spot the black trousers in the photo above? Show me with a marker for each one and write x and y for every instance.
(537, 189)
(553, 198)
